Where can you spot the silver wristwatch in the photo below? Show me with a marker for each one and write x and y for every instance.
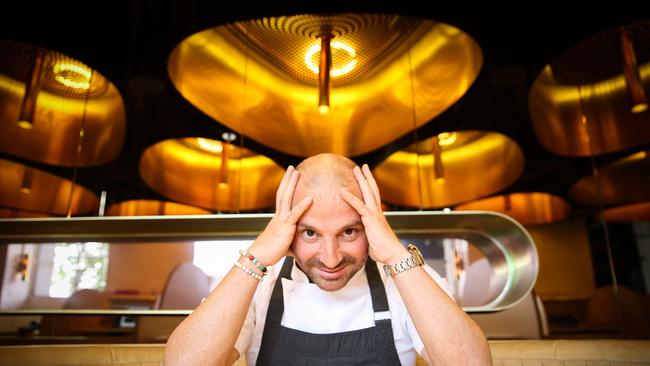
(407, 263)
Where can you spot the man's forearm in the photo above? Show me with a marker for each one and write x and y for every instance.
(449, 335)
(208, 335)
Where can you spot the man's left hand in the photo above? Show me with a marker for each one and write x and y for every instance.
(383, 245)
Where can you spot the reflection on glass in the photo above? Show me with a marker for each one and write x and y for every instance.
(77, 266)
(216, 257)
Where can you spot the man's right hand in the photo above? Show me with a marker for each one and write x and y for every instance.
(274, 242)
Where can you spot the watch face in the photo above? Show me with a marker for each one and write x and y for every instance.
(417, 255)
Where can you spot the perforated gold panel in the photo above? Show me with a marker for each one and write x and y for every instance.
(282, 41)
(78, 117)
(390, 74)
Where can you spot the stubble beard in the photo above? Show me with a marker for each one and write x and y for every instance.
(310, 268)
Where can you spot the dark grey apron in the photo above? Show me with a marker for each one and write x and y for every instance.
(369, 346)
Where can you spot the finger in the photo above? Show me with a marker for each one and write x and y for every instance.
(299, 209)
(287, 196)
(372, 183)
(283, 185)
(354, 201)
(367, 194)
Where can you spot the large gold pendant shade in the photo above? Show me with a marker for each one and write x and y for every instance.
(622, 182)
(263, 78)
(152, 208)
(449, 169)
(590, 100)
(57, 110)
(528, 208)
(628, 213)
(192, 171)
(29, 189)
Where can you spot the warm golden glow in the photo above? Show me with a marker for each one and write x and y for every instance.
(409, 178)
(622, 182)
(153, 208)
(26, 185)
(584, 108)
(212, 146)
(62, 110)
(184, 172)
(323, 109)
(371, 105)
(529, 208)
(446, 138)
(640, 107)
(73, 75)
(45, 193)
(25, 124)
(314, 50)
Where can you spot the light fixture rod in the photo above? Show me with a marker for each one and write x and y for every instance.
(28, 105)
(631, 72)
(438, 170)
(223, 173)
(324, 67)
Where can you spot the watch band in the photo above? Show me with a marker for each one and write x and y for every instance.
(405, 264)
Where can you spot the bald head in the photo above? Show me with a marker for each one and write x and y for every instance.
(325, 174)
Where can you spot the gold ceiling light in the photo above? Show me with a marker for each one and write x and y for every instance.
(622, 182)
(528, 208)
(185, 171)
(408, 177)
(47, 194)
(153, 208)
(628, 213)
(11, 213)
(265, 78)
(57, 110)
(580, 103)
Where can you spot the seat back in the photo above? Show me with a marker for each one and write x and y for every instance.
(185, 288)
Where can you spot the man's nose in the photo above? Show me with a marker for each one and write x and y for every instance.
(331, 256)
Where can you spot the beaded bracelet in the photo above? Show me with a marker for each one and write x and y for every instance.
(249, 271)
(255, 261)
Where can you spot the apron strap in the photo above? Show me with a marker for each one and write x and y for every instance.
(377, 290)
(276, 304)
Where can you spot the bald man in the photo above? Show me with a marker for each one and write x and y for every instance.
(328, 283)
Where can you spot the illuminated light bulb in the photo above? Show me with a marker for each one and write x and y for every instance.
(73, 75)
(210, 145)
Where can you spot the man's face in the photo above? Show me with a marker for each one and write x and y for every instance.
(330, 244)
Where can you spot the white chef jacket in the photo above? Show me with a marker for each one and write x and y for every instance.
(309, 309)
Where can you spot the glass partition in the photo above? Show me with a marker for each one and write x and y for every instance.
(133, 279)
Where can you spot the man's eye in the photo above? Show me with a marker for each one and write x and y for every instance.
(349, 232)
(309, 233)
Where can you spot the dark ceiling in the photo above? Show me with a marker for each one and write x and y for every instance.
(129, 42)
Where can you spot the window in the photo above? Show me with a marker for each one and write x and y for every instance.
(216, 257)
(78, 266)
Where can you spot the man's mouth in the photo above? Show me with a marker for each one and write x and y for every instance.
(330, 273)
